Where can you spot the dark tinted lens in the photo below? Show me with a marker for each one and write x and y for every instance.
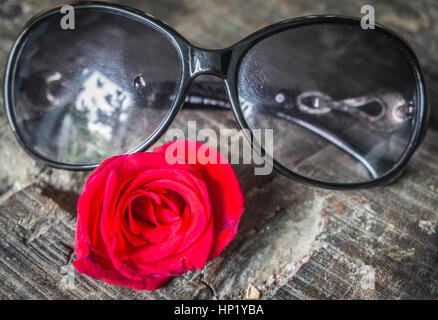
(99, 90)
(342, 101)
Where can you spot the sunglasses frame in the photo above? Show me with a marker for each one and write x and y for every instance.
(225, 64)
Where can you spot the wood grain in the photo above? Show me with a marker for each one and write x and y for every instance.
(390, 231)
(37, 240)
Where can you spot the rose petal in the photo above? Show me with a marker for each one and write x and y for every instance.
(225, 193)
(95, 270)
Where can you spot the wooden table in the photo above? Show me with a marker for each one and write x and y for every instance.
(294, 241)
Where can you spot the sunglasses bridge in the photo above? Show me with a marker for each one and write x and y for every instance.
(211, 62)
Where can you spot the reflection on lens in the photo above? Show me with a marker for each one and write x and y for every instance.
(348, 100)
(98, 90)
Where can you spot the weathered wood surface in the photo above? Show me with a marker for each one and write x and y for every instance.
(378, 244)
(369, 244)
(37, 242)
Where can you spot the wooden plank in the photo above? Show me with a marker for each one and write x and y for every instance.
(37, 239)
(388, 234)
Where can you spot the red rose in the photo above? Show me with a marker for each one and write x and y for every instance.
(142, 220)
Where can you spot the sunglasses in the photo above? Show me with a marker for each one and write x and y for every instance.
(347, 105)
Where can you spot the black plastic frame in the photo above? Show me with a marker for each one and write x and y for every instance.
(223, 63)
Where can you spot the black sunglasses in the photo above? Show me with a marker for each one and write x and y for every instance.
(347, 106)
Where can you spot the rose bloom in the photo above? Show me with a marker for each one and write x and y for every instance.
(143, 219)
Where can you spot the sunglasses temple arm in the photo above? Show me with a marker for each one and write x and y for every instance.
(212, 95)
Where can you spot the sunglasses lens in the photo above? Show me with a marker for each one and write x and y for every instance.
(342, 101)
(82, 95)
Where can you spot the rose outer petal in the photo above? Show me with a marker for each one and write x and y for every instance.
(225, 193)
(89, 267)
